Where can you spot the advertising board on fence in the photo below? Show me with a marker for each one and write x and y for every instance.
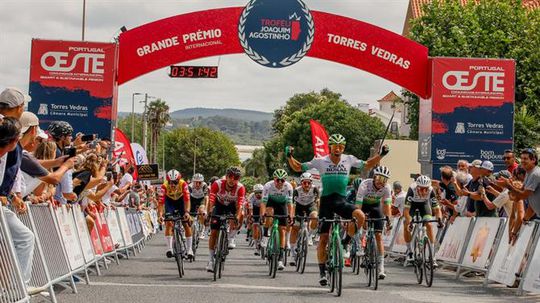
(508, 259)
(124, 226)
(454, 241)
(481, 242)
(84, 236)
(66, 224)
(74, 81)
(532, 278)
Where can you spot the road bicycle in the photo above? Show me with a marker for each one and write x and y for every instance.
(273, 248)
(335, 253)
(370, 260)
(423, 250)
(179, 247)
(222, 247)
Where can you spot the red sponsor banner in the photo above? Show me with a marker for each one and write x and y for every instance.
(215, 32)
(122, 150)
(104, 233)
(319, 139)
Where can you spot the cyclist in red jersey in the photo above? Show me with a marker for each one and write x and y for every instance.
(226, 198)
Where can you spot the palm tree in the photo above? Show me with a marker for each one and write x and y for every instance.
(158, 117)
(527, 129)
(256, 166)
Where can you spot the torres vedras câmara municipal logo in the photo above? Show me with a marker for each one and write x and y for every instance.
(276, 33)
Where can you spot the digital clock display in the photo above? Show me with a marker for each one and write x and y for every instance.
(193, 71)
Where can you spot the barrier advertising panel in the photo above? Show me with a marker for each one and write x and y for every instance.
(508, 259)
(74, 81)
(454, 240)
(84, 235)
(481, 242)
(124, 226)
(66, 224)
(532, 278)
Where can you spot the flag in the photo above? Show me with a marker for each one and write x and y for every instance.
(122, 150)
(319, 138)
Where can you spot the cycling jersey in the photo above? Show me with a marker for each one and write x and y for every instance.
(219, 193)
(413, 197)
(279, 196)
(334, 177)
(368, 194)
(301, 197)
(199, 193)
(181, 190)
(253, 201)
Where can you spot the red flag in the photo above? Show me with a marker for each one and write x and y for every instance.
(319, 138)
(122, 150)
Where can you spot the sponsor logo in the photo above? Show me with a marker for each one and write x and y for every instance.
(43, 109)
(490, 155)
(90, 63)
(479, 78)
(441, 153)
(276, 33)
(460, 128)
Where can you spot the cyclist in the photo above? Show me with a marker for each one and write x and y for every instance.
(306, 199)
(334, 170)
(421, 197)
(176, 199)
(254, 214)
(277, 200)
(226, 198)
(199, 199)
(371, 194)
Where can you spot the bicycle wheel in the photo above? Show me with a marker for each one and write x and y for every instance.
(178, 252)
(338, 267)
(224, 252)
(373, 264)
(275, 254)
(366, 262)
(304, 253)
(428, 262)
(299, 252)
(218, 256)
(418, 260)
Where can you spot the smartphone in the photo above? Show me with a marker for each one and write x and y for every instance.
(70, 151)
(109, 175)
(88, 138)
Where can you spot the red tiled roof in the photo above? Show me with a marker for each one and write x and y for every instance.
(416, 5)
(390, 97)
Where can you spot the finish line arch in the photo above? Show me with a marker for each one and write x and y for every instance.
(216, 32)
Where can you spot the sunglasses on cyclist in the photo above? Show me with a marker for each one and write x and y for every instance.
(258, 192)
(422, 188)
(280, 180)
(381, 179)
(173, 182)
(306, 182)
(234, 177)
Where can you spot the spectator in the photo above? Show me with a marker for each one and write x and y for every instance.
(502, 200)
(479, 203)
(530, 192)
(447, 193)
(510, 160)
(45, 152)
(398, 199)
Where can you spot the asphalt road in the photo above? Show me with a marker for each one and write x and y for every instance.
(151, 277)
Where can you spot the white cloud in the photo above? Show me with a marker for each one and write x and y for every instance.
(241, 84)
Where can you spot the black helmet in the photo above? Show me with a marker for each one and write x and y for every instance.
(58, 129)
(235, 171)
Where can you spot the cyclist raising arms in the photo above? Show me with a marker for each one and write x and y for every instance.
(254, 212)
(334, 170)
(371, 194)
(421, 197)
(199, 199)
(277, 200)
(306, 200)
(226, 198)
(176, 199)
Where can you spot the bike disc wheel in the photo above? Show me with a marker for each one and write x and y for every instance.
(338, 267)
(275, 254)
(374, 264)
(299, 253)
(418, 260)
(178, 255)
(428, 262)
(304, 254)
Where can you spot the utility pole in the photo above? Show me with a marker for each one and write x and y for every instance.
(194, 157)
(133, 115)
(83, 18)
(145, 118)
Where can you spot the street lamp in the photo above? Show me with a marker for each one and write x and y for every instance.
(133, 115)
(194, 157)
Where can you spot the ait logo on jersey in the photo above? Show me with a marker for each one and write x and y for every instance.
(276, 33)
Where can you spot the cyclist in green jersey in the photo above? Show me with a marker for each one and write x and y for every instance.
(334, 170)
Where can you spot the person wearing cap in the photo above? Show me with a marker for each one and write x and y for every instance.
(33, 173)
(398, 199)
(448, 193)
(12, 102)
(479, 202)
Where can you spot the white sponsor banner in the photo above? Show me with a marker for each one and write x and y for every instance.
(454, 240)
(139, 153)
(388, 236)
(69, 237)
(84, 236)
(481, 242)
(124, 227)
(114, 227)
(400, 246)
(532, 278)
(144, 226)
(508, 258)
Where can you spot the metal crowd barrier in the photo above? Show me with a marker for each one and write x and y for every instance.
(12, 287)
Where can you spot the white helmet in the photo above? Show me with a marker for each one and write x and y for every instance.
(306, 176)
(258, 187)
(198, 178)
(423, 181)
(173, 175)
(381, 171)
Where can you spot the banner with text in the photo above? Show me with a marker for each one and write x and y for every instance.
(319, 139)
(74, 82)
(471, 111)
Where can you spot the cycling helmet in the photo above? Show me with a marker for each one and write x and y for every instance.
(58, 129)
(173, 175)
(233, 170)
(280, 174)
(356, 183)
(423, 181)
(258, 187)
(198, 178)
(306, 176)
(336, 139)
(381, 171)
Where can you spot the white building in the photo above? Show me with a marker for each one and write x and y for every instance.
(387, 105)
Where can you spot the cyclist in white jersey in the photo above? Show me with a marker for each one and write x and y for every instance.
(305, 199)
(277, 200)
(198, 191)
(253, 204)
(371, 195)
(334, 170)
(421, 197)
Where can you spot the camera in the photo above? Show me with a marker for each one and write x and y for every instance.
(88, 138)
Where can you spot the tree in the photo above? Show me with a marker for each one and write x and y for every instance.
(124, 124)
(256, 165)
(158, 117)
(212, 151)
(490, 29)
(527, 129)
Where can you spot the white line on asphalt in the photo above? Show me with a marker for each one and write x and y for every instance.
(229, 286)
